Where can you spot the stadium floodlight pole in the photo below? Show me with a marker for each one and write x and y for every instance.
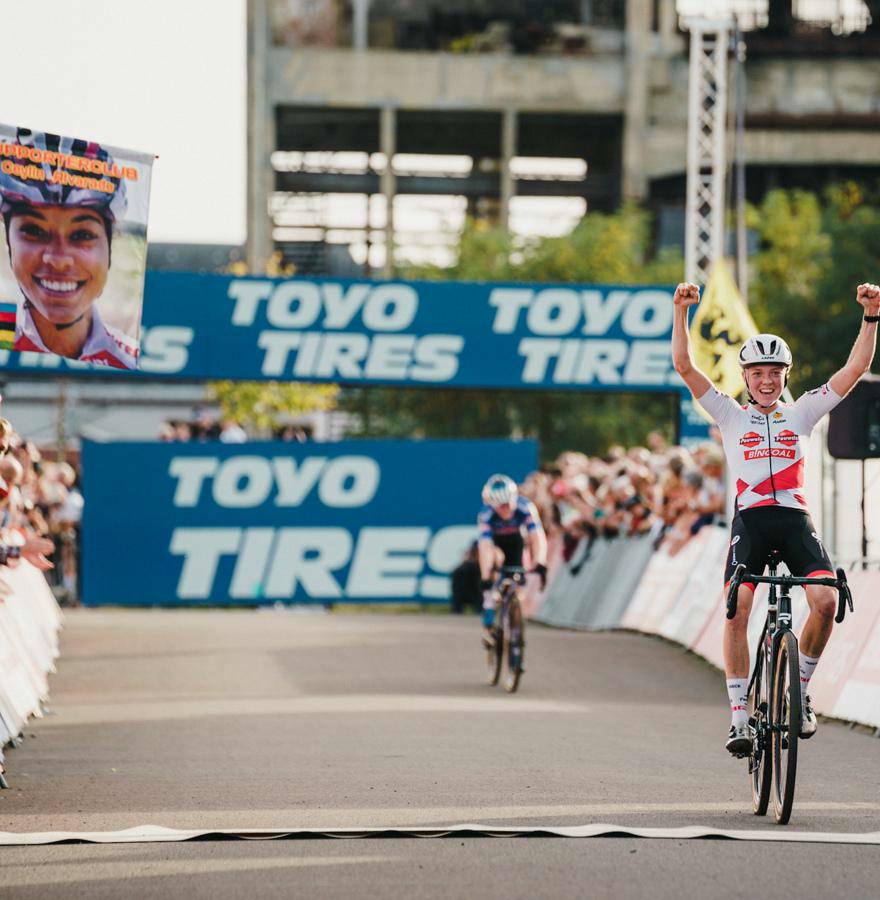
(706, 145)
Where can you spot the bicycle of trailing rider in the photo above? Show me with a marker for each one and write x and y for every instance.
(508, 629)
(774, 703)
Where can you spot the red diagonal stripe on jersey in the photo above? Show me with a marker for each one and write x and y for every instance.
(784, 480)
(741, 486)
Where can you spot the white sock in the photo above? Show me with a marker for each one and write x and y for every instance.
(738, 692)
(489, 599)
(808, 666)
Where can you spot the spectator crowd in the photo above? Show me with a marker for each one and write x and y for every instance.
(40, 511)
(671, 492)
(203, 426)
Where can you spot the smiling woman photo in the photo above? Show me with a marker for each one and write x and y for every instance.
(59, 234)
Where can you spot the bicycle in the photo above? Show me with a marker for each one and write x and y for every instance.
(508, 630)
(775, 711)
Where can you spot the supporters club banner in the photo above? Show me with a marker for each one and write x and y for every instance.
(75, 233)
(251, 524)
(445, 334)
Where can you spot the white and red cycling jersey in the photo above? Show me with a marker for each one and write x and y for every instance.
(765, 451)
(104, 346)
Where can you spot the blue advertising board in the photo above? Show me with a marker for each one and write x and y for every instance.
(429, 334)
(249, 524)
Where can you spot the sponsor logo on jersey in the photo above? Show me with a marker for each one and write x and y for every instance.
(789, 438)
(778, 415)
(767, 452)
(750, 439)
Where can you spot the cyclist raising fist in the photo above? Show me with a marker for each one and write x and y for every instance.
(764, 442)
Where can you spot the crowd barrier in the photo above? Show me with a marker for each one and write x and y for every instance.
(624, 584)
(29, 623)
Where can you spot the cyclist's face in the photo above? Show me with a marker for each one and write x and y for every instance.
(60, 257)
(765, 383)
(505, 510)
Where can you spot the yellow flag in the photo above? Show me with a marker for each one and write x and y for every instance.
(720, 326)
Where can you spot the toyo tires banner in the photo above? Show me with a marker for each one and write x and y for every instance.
(441, 333)
(212, 523)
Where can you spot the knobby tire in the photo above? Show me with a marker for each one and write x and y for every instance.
(760, 763)
(786, 719)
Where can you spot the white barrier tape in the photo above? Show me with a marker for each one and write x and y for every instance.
(158, 834)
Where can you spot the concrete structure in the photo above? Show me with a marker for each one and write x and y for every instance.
(620, 104)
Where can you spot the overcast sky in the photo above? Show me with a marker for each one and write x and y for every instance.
(165, 76)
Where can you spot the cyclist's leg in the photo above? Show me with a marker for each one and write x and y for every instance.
(811, 560)
(806, 557)
(744, 549)
(487, 554)
(749, 547)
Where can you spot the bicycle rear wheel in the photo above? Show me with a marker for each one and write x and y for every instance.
(786, 722)
(514, 643)
(760, 764)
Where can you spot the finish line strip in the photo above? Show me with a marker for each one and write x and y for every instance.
(159, 834)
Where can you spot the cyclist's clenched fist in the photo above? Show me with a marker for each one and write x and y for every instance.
(869, 296)
(686, 294)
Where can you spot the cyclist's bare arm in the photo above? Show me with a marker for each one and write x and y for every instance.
(862, 354)
(538, 545)
(686, 295)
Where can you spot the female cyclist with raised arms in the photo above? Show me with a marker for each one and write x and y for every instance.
(59, 239)
(764, 442)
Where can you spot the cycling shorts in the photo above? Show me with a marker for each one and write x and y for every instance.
(755, 532)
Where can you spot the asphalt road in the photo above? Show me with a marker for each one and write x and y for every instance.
(285, 720)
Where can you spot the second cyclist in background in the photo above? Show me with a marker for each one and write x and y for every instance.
(507, 522)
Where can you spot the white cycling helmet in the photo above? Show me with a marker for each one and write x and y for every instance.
(765, 349)
(500, 490)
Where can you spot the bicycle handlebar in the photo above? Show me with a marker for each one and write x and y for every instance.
(514, 573)
(844, 595)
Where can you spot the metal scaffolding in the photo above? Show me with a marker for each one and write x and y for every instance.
(706, 146)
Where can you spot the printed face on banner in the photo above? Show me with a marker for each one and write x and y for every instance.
(74, 248)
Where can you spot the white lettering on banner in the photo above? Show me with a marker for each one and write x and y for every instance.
(190, 472)
(165, 349)
(245, 482)
(354, 357)
(648, 314)
(28, 359)
(273, 563)
(253, 557)
(247, 296)
(201, 549)
(299, 304)
(387, 562)
(307, 557)
(611, 362)
(349, 481)
(444, 554)
(554, 312)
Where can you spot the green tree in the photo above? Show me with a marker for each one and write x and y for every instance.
(266, 405)
(813, 253)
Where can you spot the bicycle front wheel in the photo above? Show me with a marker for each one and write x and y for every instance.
(495, 654)
(514, 643)
(760, 765)
(786, 724)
